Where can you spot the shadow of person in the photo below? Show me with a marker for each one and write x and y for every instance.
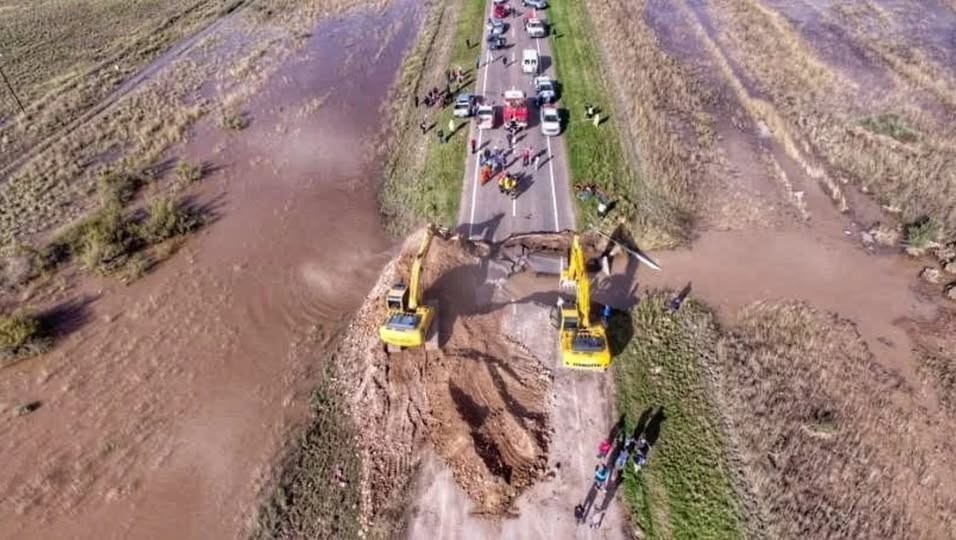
(642, 422)
(653, 431)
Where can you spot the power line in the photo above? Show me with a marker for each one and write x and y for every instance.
(10, 87)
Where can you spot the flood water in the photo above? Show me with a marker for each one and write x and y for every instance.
(164, 410)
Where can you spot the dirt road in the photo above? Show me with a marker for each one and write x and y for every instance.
(544, 203)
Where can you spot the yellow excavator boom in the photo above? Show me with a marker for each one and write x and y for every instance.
(408, 321)
(415, 279)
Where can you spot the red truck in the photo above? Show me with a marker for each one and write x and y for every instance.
(516, 108)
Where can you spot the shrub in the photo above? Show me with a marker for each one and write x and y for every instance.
(20, 335)
(119, 187)
(187, 173)
(234, 120)
(167, 218)
(924, 233)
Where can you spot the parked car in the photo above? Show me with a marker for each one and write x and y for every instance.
(536, 4)
(535, 28)
(545, 90)
(496, 41)
(496, 27)
(550, 121)
(465, 105)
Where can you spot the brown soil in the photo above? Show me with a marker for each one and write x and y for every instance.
(481, 402)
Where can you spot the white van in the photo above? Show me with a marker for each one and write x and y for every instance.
(529, 61)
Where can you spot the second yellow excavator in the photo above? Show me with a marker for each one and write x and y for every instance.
(583, 344)
(409, 321)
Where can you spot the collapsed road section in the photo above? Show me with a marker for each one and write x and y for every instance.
(482, 400)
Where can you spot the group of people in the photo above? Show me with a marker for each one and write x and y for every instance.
(438, 97)
(635, 450)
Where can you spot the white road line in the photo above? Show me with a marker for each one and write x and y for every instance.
(554, 194)
(474, 183)
(514, 207)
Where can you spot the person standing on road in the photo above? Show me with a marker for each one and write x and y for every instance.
(423, 126)
(473, 146)
(526, 157)
(601, 474)
(537, 162)
(441, 137)
(477, 63)
(504, 59)
(468, 43)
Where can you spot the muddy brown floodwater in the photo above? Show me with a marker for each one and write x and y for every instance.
(162, 411)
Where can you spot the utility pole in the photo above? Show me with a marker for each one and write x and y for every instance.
(10, 87)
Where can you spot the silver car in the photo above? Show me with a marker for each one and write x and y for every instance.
(536, 4)
(550, 121)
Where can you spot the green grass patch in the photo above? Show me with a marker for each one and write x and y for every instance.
(308, 501)
(891, 125)
(596, 154)
(924, 233)
(686, 489)
(413, 194)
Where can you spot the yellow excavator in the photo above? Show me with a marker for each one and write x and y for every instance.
(408, 321)
(583, 344)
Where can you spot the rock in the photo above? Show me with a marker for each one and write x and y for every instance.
(950, 291)
(950, 267)
(930, 274)
(946, 253)
(885, 235)
(867, 238)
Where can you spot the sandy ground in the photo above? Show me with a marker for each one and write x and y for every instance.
(165, 402)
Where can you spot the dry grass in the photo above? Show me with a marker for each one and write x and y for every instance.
(833, 444)
(307, 500)
(898, 153)
(659, 108)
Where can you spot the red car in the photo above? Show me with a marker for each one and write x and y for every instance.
(501, 11)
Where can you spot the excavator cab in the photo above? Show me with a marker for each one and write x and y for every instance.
(583, 344)
(408, 320)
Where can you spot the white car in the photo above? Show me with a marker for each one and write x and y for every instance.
(550, 121)
(496, 27)
(536, 28)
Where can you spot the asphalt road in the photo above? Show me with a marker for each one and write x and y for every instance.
(544, 203)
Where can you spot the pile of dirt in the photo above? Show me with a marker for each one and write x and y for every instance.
(481, 401)
(829, 438)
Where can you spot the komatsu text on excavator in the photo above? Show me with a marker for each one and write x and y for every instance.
(583, 344)
(409, 321)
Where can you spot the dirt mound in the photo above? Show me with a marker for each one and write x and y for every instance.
(480, 401)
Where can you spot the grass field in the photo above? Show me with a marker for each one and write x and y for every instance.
(686, 491)
(423, 180)
(655, 210)
(308, 500)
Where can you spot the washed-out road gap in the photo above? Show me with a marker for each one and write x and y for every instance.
(544, 203)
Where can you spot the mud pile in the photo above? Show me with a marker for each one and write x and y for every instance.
(481, 401)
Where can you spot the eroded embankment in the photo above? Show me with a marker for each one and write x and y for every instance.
(481, 401)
